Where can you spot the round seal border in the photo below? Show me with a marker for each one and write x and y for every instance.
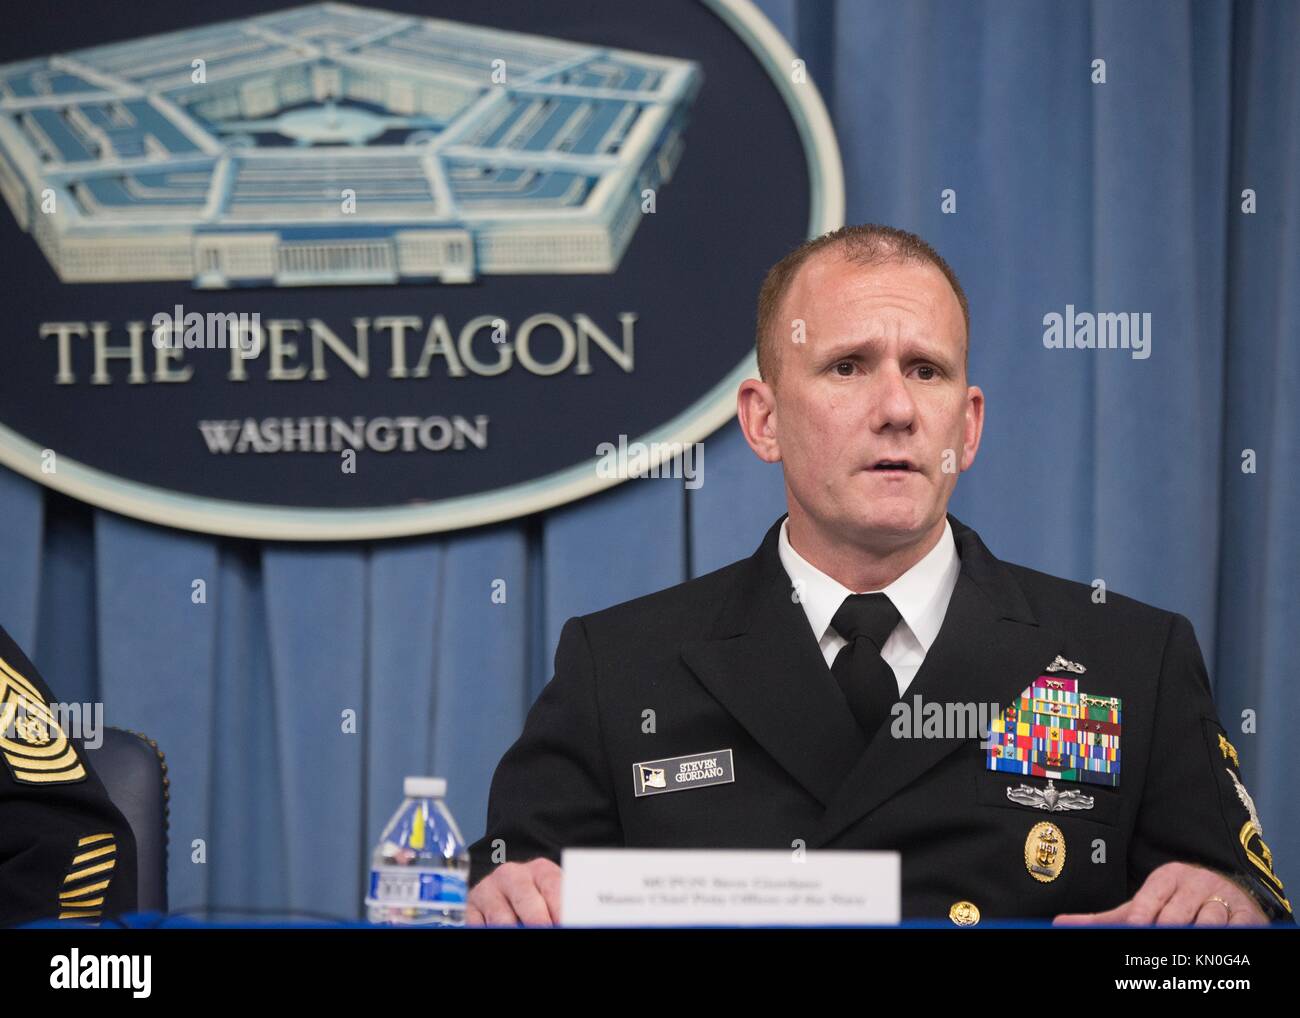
(242, 519)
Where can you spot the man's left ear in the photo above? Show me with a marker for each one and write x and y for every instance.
(974, 423)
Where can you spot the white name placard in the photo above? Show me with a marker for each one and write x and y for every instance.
(694, 887)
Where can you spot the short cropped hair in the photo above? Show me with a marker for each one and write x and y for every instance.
(867, 244)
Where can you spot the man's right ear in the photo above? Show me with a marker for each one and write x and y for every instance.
(756, 411)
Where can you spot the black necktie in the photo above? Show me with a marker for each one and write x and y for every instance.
(869, 684)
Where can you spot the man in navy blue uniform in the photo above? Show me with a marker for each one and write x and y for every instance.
(66, 852)
(784, 685)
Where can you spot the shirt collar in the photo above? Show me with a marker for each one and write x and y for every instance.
(921, 594)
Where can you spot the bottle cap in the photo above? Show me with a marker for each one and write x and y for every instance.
(424, 788)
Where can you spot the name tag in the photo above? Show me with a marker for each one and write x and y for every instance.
(675, 773)
(692, 887)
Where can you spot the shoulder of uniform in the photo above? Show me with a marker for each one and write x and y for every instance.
(1071, 601)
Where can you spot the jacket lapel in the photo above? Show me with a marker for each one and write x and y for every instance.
(989, 649)
(762, 663)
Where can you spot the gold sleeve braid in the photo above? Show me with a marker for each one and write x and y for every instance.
(89, 874)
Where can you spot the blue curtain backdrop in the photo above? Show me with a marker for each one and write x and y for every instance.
(1116, 197)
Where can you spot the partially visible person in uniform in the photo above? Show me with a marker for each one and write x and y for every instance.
(776, 681)
(66, 852)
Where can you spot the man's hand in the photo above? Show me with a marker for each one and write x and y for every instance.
(1178, 894)
(516, 892)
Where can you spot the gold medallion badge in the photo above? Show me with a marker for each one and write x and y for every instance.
(1045, 852)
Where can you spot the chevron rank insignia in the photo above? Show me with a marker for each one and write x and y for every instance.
(1242, 818)
(1055, 730)
(31, 741)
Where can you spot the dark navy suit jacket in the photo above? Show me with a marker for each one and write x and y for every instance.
(728, 661)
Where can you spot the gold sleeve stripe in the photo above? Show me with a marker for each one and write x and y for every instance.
(79, 902)
(95, 853)
(49, 777)
(32, 762)
(89, 870)
(70, 897)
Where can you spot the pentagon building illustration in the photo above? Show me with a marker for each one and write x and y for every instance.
(124, 167)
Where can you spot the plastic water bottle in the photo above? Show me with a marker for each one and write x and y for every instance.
(419, 873)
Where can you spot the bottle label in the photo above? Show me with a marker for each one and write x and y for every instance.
(415, 885)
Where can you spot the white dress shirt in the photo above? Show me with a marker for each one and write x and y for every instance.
(921, 596)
